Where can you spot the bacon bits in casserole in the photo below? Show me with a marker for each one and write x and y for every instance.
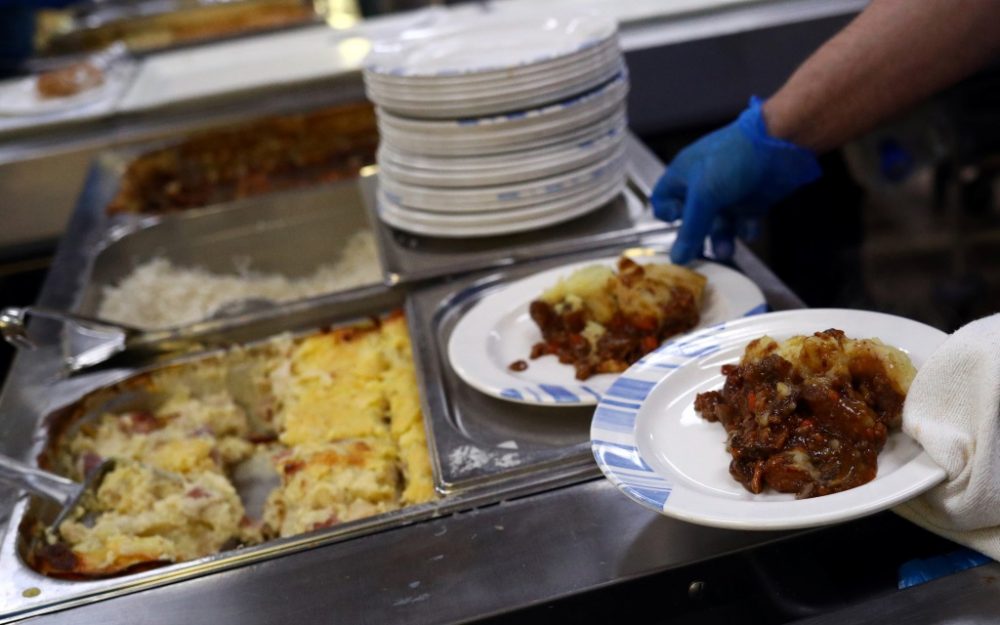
(336, 414)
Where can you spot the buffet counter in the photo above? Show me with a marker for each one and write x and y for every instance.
(516, 538)
(432, 500)
(505, 536)
(462, 557)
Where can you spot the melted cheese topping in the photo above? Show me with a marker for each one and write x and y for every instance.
(343, 404)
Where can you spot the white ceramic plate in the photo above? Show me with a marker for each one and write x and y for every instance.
(493, 101)
(650, 442)
(504, 197)
(506, 217)
(579, 73)
(498, 331)
(607, 95)
(492, 162)
(498, 222)
(482, 43)
(472, 165)
(526, 73)
(502, 146)
(461, 173)
(513, 140)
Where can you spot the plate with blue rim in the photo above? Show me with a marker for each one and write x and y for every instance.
(498, 331)
(649, 441)
(479, 43)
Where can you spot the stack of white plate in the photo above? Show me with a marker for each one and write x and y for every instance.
(491, 128)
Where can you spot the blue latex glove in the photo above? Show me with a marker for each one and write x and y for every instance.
(722, 184)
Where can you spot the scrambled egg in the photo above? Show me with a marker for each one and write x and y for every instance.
(345, 436)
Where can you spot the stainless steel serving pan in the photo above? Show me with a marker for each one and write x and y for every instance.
(313, 222)
(23, 589)
(289, 233)
(511, 439)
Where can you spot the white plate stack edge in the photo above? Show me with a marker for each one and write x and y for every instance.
(491, 127)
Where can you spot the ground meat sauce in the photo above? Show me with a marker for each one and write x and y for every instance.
(810, 436)
(626, 337)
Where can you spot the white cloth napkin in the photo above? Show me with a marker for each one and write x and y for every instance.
(953, 410)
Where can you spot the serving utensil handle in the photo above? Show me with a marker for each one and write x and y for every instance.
(37, 481)
(12, 328)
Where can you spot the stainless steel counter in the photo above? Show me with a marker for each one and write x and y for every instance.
(455, 569)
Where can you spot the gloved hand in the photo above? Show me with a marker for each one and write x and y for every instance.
(723, 183)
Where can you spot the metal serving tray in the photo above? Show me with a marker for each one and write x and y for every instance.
(318, 220)
(552, 452)
(409, 257)
(289, 233)
(310, 227)
(479, 439)
(23, 589)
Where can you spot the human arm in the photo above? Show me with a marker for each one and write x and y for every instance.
(892, 55)
(896, 53)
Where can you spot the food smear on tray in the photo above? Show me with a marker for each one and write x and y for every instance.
(69, 81)
(335, 415)
(601, 321)
(158, 294)
(809, 415)
(251, 159)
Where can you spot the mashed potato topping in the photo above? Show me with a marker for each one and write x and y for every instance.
(601, 321)
(338, 414)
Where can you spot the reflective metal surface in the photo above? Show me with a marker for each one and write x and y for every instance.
(461, 557)
(479, 439)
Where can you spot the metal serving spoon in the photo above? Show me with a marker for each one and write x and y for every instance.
(65, 492)
(91, 341)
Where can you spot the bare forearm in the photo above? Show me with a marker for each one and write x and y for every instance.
(894, 54)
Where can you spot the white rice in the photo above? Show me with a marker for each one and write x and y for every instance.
(158, 294)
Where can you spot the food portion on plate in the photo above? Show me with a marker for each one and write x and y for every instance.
(809, 415)
(626, 304)
(334, 419)
(602, 321)
(813, 393)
